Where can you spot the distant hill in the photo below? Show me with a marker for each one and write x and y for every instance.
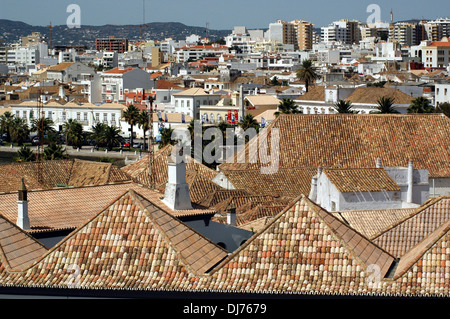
(11, 31)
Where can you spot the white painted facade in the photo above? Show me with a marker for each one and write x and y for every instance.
(441, 93)
(413, 183)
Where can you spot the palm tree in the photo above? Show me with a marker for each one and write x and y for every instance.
(131, 115)
(166, 137)
(307, 73)
(443, 108)
(97, 131)
(344, 107)
(421, 105)
(25, 154)
(248, 121)
(73, 131)
(54, 151)
(287, 106)
(111, 136)
(5, 124)
(143, 123)
(19, 130)
(385, 106)
(43, 126)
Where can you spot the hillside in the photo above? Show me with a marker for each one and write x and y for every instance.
(11, 31)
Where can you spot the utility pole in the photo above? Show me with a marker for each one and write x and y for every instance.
(50, 27)
(151, 154)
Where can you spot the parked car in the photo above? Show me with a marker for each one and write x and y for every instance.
(126, 144)
(35, 140)
(138, 145)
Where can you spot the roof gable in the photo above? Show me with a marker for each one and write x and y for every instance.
(303, 248)
(361, 180)
(354, 141)
(18, 250)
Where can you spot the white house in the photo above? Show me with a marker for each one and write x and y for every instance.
(115, 81)
(189, 101)
(370, 188)
(442, 93)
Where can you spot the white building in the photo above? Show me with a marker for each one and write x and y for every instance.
(196, 52)
(87, 114)
(442, 93)
(116, 80)
(189, 101)
(370, 188)
(23, 56)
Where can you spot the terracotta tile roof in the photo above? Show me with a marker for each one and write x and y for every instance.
(406, 234)
(304, 249)
(119, 70)
(164, 85)
(355, 141)
(221, 195)
(18, 250)
(262, 100)
(53, 173)
(315, 93)
(288, 182)
(63, 172)
(60, 67)
(373, 222)
(198, 176)
(129, 244)
(361, 180)
(370, 95)
(68, 208)
(86, 173)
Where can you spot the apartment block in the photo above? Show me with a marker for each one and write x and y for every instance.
(119, 45)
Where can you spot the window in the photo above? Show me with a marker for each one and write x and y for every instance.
(97, 117)
(85, 116)
(105, 117)
(64, 115)
(445, 92)
(333, 206)
(24, 114)
(78, 116)
(113, 119)
(17, 113)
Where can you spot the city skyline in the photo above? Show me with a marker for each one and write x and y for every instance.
(214, 13)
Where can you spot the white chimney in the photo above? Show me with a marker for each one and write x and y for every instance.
(378, 163)
(22, 214)
(62, 94)
(409, 192)
(176, 195)
(231, 215)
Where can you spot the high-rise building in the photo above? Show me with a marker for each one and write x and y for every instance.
(119, 45)
(345, 31)
(403, 33)
(299, 33)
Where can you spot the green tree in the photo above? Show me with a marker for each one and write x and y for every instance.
(54, 151)
(421, 105)
(73, 132)
(287, 106)
(19, 130)
(248, 121)
(166, 137)
(43, 126)
(143, 122)
(307, 73)
(131, 115)
(344, 107)
(110, 136)
(443, 108)
(385, 105)
(25, 154)
(5, 124)
(97, 131)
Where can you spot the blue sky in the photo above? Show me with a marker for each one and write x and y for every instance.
(220, 14)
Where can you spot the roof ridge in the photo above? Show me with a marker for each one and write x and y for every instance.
(140, 200)
(418, 251)
(417, 211)
(251, 239)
